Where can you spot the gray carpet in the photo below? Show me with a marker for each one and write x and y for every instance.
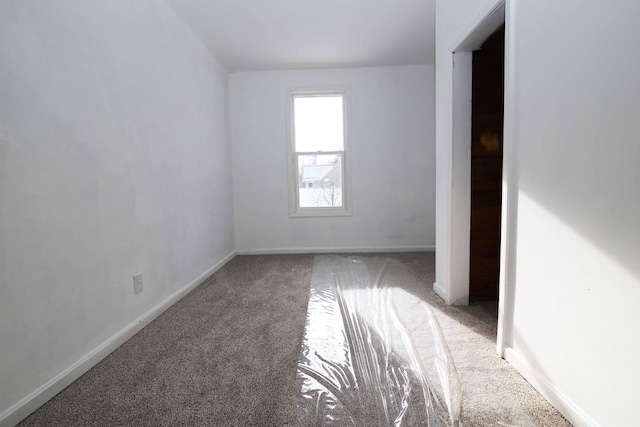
(226, 354)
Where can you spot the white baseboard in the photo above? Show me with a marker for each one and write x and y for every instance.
(441, 291)
(334, 250)
(20, 410)
(572, 412)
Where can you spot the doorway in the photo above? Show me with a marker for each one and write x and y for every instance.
(490, 18)
(487, 124)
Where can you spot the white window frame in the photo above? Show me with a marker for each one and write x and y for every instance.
(295, 211)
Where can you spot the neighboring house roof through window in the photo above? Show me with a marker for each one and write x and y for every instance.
(314, 173)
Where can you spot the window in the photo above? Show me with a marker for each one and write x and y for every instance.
(317, 156)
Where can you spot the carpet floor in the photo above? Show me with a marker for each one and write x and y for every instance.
(226, 355)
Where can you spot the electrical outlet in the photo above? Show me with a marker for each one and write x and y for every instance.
(137, 283)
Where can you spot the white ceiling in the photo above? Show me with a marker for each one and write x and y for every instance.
(277, 34)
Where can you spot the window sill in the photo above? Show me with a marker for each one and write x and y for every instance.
(319, 213)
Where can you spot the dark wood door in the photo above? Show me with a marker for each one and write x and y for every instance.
(486, 167)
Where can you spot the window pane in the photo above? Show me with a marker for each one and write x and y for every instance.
(318, 123)
(320, 181)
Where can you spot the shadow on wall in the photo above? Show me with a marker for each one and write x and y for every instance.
(544, 385)
(572, 236)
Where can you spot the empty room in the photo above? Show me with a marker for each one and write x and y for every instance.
(360, 212)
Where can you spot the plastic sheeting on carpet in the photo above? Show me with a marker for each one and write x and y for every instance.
(372, 352)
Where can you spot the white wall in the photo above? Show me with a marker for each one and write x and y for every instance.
(114, 159)
(576, 215)
(392, 151)
(577, 284)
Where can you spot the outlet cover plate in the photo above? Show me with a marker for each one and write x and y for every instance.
(137, 283)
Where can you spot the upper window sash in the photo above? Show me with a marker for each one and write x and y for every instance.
(318, 122)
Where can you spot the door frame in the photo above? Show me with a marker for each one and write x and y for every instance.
(494, 14)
